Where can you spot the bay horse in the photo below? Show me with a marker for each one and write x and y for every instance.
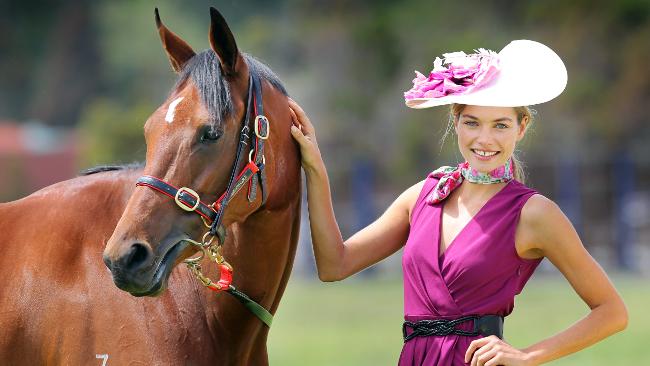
(59, 304)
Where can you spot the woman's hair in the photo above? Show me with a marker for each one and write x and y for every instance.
(454, 115)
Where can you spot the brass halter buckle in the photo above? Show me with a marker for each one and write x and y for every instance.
(182, 204)
(265, 121)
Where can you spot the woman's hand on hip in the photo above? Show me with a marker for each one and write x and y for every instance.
(303, 132)
(493, 351)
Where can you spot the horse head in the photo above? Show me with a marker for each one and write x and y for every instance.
(217, 150)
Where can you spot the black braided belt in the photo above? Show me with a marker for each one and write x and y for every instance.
(483, 325)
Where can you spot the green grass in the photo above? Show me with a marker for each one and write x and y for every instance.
(358, 322)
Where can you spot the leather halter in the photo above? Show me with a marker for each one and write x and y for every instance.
(212, 214)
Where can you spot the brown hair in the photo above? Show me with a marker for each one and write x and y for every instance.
(454, 115)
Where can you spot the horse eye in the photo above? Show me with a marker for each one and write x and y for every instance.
(209, 134)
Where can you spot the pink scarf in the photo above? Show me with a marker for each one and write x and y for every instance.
(451, 177)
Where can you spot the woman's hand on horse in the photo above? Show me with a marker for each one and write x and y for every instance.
(303, 132)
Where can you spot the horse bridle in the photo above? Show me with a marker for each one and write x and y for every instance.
(212, 214)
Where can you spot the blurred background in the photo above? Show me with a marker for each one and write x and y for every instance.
(79, 78)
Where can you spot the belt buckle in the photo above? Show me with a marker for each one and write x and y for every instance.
(488, 321)
(476, 328)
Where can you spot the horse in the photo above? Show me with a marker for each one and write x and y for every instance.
(61, 305)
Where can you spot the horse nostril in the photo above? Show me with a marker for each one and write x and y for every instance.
(136, 257)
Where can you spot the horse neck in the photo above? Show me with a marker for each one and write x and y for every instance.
(261, 250)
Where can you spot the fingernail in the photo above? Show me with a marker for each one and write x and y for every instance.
(293, 128)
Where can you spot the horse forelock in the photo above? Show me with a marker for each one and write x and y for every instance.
(204, 70)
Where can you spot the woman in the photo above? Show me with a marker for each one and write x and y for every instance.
(497, 229)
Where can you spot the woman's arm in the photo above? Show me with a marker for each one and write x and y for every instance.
(336, 259)
(546, 230)
(558, 241)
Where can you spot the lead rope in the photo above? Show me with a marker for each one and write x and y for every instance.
(225, 279)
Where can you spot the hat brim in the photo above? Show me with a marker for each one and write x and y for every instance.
(531, 73)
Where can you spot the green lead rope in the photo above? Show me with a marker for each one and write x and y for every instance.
(251, 305)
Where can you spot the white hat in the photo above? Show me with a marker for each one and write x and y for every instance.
(524, 73)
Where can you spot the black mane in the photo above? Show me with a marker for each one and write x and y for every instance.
(109, 168)
(205, 71)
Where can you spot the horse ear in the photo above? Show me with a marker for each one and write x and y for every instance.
(178, 51)
(223, 43)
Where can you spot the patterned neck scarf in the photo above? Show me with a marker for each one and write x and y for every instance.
(451, 177)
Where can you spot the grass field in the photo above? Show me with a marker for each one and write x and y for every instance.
(358, 322)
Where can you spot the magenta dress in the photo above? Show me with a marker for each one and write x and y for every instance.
(479, 273)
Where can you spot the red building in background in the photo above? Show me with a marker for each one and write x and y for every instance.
(33, 156)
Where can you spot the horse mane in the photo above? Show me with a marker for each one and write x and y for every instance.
(204, 70)
(109, 168)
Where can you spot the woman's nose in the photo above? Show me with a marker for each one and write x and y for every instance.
(484, 137)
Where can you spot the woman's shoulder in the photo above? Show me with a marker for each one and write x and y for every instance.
(519, 188)
(418, 189)
(411, 194)
(537, 207)
(539, 216)
(415, 195)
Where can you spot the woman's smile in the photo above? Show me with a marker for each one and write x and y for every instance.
(484, 155)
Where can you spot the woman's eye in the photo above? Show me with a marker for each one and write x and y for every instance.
(501, 125)
(209, 134)
(471, 123)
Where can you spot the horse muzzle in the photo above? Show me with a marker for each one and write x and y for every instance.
(140, 272)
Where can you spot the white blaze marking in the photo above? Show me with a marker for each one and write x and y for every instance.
(169, 117)
(104, 357)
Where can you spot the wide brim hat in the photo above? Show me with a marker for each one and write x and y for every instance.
(523, 73)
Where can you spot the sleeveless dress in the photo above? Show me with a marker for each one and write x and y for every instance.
(479, 273)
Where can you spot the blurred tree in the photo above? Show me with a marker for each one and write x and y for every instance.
(111, 133)
(53, 61)
(348, 62)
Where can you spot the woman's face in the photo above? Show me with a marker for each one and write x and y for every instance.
(487, 135)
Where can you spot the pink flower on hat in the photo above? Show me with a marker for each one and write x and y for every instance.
(462, 74)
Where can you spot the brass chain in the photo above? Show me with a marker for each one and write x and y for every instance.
(207, 248)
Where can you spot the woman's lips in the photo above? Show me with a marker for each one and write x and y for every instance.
(484, 158)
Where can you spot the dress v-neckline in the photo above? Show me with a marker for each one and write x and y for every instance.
(473, 218)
